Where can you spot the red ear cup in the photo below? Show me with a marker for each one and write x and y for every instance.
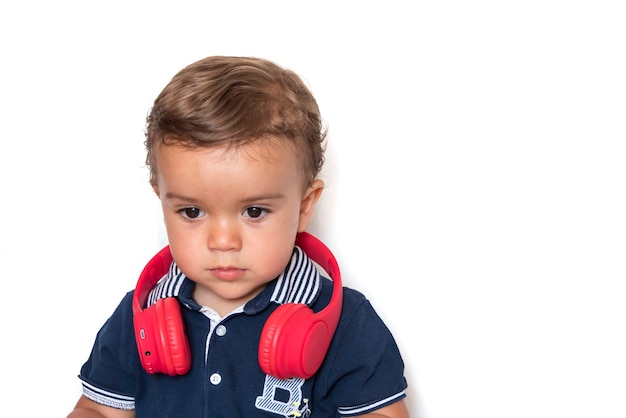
(161, 340)
(293, 342)
(159, 329)
(176, 356)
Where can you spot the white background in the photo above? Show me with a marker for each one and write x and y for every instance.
(476, 183)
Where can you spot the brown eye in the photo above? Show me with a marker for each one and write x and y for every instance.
(191, 213)
(255, 212)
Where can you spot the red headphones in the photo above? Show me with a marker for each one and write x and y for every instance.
(294, 340)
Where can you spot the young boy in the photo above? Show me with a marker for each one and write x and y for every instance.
(234, 147)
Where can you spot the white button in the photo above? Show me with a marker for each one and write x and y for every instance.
(215, 378)
(220, 330)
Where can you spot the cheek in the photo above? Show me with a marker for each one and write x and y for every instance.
(174, 233)
(185, 258)
(274, 253)
(184, 245)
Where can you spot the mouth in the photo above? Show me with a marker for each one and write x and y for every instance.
(227, 273)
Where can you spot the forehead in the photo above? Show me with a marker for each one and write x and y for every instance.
(261, 157)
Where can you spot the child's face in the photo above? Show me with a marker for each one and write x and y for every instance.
(232, 215)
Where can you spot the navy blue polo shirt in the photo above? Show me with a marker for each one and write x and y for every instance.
(362, 371)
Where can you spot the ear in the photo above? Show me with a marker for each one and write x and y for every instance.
(156, 190)
(311, 195)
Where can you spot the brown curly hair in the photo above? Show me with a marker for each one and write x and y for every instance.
(232, 101)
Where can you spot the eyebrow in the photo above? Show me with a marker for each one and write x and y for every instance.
(248, 200)
(170, 196)
(261, 197)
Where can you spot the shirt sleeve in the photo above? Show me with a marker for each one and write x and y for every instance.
(109, 376)
(365, 370)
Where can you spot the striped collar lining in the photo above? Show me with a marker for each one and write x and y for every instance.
(298, 283)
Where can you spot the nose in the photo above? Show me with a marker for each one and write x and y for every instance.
(223, 235)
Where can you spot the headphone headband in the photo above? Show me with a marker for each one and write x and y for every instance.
(294, 340)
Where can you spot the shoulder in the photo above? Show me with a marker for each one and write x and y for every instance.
(354, 303)
(358, 313)
(358, 316)
(124, 308)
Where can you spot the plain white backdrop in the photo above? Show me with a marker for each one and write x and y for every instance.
(476, 183)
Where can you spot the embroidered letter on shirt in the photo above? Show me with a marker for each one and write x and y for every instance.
(283, 397)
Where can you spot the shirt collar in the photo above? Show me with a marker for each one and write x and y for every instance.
(298, 283)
